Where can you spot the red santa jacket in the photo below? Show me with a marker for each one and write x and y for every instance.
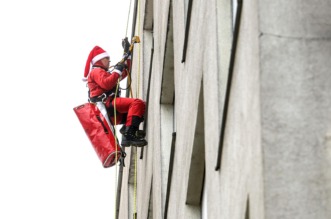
(100, 81)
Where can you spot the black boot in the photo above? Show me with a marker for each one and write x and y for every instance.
(139, 133)
(122, 130)
(130, 138)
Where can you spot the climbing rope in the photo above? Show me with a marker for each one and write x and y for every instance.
(135, 185)
(115, 122)
(126, 34)
(115, 115)
(127, 21)
(137, 96)
(138, 77)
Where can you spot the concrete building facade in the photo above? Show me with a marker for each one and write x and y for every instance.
(238, 116)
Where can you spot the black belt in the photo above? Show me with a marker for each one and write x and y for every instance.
(103, 97)
(100, 98)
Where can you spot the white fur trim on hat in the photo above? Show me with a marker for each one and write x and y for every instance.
(99, 57)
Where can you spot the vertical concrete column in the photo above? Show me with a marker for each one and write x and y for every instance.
(295, 51)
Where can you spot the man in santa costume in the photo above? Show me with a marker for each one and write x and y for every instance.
(102, 87)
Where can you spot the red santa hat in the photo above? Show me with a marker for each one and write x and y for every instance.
(96, 54)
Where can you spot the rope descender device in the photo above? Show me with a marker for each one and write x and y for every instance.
(134, 40)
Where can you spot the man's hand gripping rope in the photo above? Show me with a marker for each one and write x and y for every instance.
(128, 48)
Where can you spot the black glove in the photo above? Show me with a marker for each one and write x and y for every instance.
(126, 55)
(126, 45)
(120, 66)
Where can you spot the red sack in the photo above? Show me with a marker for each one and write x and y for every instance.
(94, 119)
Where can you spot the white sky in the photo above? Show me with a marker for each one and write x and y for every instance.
(48, 167)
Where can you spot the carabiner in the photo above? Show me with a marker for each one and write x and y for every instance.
(104, 97)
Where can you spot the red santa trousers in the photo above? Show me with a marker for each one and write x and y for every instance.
(131, 106)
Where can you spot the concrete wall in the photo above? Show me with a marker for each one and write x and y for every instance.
(240, 180)
(276, 153)
(295, 45)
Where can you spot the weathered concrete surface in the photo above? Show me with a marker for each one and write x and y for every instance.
(295, 47)
(277, 148)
